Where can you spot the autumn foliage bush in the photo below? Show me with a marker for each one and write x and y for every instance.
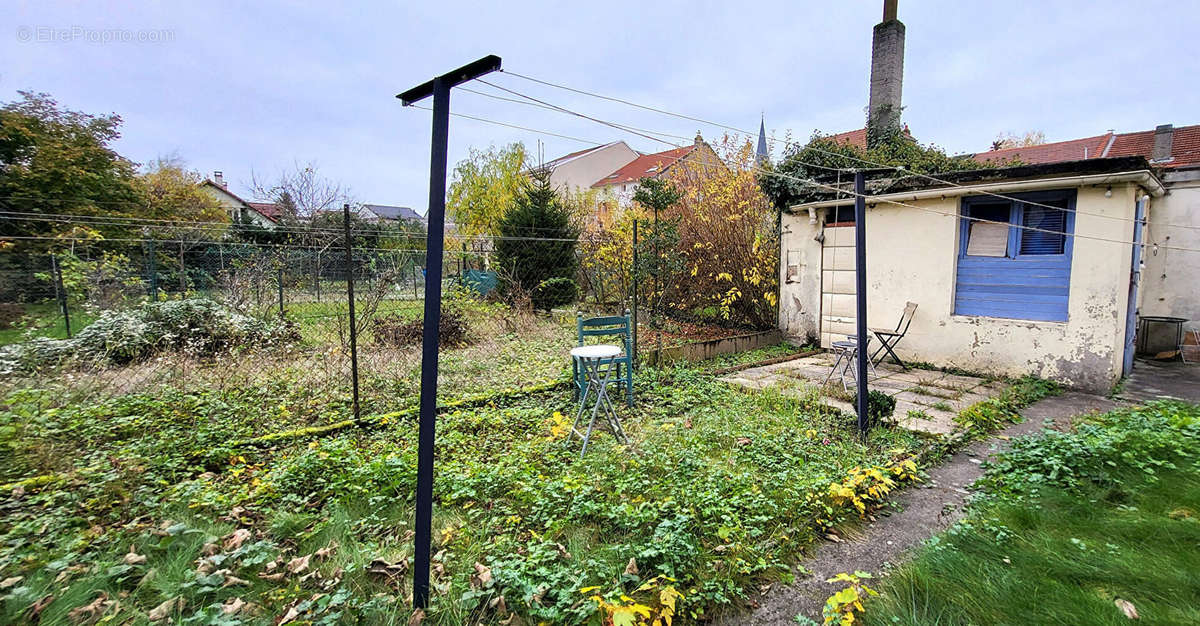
(728, 237)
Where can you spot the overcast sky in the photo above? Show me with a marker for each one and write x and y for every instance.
(259, 86)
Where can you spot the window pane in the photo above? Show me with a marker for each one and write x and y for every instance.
(987, 239)
(985, 236)
(1044, 219)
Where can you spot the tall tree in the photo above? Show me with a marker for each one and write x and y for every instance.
(538, 237)
(301, 192)
(484, 187)
(1024, 140)
(57, 161)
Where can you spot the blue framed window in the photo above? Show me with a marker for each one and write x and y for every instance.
(1014, 257)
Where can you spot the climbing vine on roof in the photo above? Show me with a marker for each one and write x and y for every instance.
(823, 156)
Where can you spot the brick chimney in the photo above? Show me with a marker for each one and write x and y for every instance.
(1164, 136)
(887, 72)
(219, 178)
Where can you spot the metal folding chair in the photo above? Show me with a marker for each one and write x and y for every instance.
(847, 358)
(889, 338)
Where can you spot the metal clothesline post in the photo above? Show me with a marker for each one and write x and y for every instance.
(439, 89)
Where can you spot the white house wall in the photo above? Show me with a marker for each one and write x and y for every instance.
(912, 255)
(1171, 280)
(583, 171)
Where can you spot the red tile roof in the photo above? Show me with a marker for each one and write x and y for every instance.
(268, 210)
(856, 138)
(1073, 150)
(645, 166)
(1185, 146)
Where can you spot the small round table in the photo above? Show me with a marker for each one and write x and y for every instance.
(592, 360)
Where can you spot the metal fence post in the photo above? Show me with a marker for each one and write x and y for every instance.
(60, 292)
(860, 288)
(350, 299)
(152, 271)
(279, 285)
(633, 279)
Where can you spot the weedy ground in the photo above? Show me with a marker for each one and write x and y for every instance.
(1093, 526)
(143, 506)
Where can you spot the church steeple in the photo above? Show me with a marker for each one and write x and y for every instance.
(761, 155)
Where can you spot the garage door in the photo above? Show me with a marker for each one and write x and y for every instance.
(837, 284)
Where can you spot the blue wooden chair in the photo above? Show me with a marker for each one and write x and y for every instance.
(602, 327)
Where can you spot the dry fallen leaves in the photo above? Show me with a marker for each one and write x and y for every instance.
(298, 564)
(482, 576)
(90, 612)
(235, 539)
(164, 610)
(743, 441)
(391, 571)
(1127, 608)
(631, 567)
(232, 606)
(418, 616)
(11, 581)
(133, 558)
(289, 616)
(35, 609)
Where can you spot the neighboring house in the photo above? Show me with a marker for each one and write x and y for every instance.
(389, 213)
(992, 297)
(614, 171)
(622, 183)
(1172, 276)
(261, 214)
(579, 170)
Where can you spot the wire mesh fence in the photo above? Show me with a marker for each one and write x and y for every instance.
(100, 319)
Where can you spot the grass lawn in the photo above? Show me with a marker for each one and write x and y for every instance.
(146, 507)
(1068, 524)
(45, 319)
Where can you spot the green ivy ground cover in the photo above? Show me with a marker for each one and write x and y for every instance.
(148, 512)
(1091, 526)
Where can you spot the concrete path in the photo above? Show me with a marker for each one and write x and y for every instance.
(926, 400)
(923, 511)
(1156, 380)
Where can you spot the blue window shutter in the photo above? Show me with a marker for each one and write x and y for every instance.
(1044, 219)
(1033, 281)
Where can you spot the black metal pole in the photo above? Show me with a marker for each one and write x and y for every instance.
(152, 270)
(350, 299)
(439, 88)
(61, 293)
(429, 340)
(633, 279)
(279, 286)
(860, 295)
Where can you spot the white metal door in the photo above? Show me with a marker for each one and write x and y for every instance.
(837, 284)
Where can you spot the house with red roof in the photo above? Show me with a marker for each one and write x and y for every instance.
(617, 189)
(1046, 263)
(614, 171)
(262, 214)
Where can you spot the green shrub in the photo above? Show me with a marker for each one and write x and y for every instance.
(554, 292)
(880, 406)
(399, 332)
(197, 327)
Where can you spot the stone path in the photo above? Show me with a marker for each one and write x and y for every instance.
(926, 400)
